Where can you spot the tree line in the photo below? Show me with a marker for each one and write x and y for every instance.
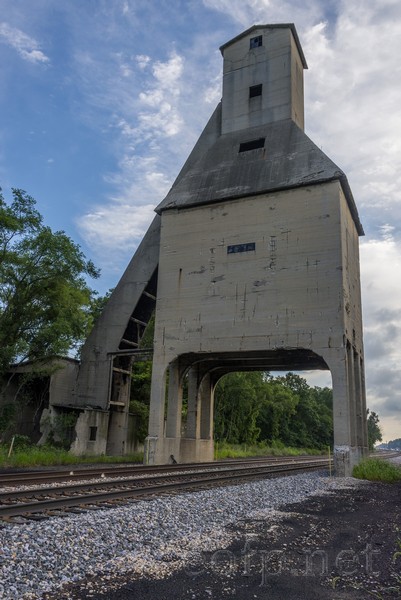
(254, 407)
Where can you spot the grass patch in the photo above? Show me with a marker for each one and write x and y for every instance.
(376, 469)
(49, 456)
(224, 450)
(46, 456)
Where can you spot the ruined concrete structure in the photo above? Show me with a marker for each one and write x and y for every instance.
(251, 264)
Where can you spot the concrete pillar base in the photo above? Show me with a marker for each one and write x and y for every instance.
(163, 451)
(117, 433)
(345, 459)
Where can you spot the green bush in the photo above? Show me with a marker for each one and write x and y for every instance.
(21, 442)
(376, 469)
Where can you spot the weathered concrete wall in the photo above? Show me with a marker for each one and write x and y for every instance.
(277, 271)
(32, 387)
(351, 278)
(88, 419)
(62, 384)
(94, 377)
(287, 292)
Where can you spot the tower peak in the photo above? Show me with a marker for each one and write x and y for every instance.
(263, 78)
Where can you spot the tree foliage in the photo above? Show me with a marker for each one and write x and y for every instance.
(237, 408)
(374, 431)
(252, 407)
(140, 386)
(44, 298)
(394, 444)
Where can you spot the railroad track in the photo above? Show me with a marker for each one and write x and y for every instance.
(44, 502)
(13, 479)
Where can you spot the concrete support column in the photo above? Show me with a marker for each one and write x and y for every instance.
(193, 417)
(157, 401)
(117, 433)
(364, 407)
(351, 393)
(347, 451)
(360, 394)
(206, 393)
(154, 440)
(174, 402)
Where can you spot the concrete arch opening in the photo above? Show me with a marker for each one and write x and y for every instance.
(203, 371)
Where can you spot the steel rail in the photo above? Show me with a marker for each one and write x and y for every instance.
(41, 506)
(13, 479)
(24, 478)
(138, 480)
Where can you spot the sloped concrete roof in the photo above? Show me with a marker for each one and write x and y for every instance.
(216, 170)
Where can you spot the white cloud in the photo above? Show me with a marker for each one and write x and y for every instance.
(143, 60)
(352, 101)
(212, 93)
(167, 74)
(125, 70)
(114, 226)
(251, 12)
(166, 120)
(160, 99)
(243, 12)
(144, 122)
(381, 293)
(151, 98)
(26, 46)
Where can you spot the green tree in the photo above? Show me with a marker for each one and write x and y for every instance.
(278, 406)
(97, 305)
(140, 397)
(44, 297)
(394, 444)
(253, 407)
(311, 425)
(374, 431)
(141, 378)
(237, 403)
(323, 399)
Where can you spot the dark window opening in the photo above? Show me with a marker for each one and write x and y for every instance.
(255, 90)
(252, 145)
(249, 247)
(255, 42)
(92, 434)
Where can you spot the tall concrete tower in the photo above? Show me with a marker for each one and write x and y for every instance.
(251, 262)
(258, 263)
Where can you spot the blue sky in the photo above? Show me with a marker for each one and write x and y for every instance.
(102, 100)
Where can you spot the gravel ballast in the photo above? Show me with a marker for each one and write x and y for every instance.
(147, 538)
